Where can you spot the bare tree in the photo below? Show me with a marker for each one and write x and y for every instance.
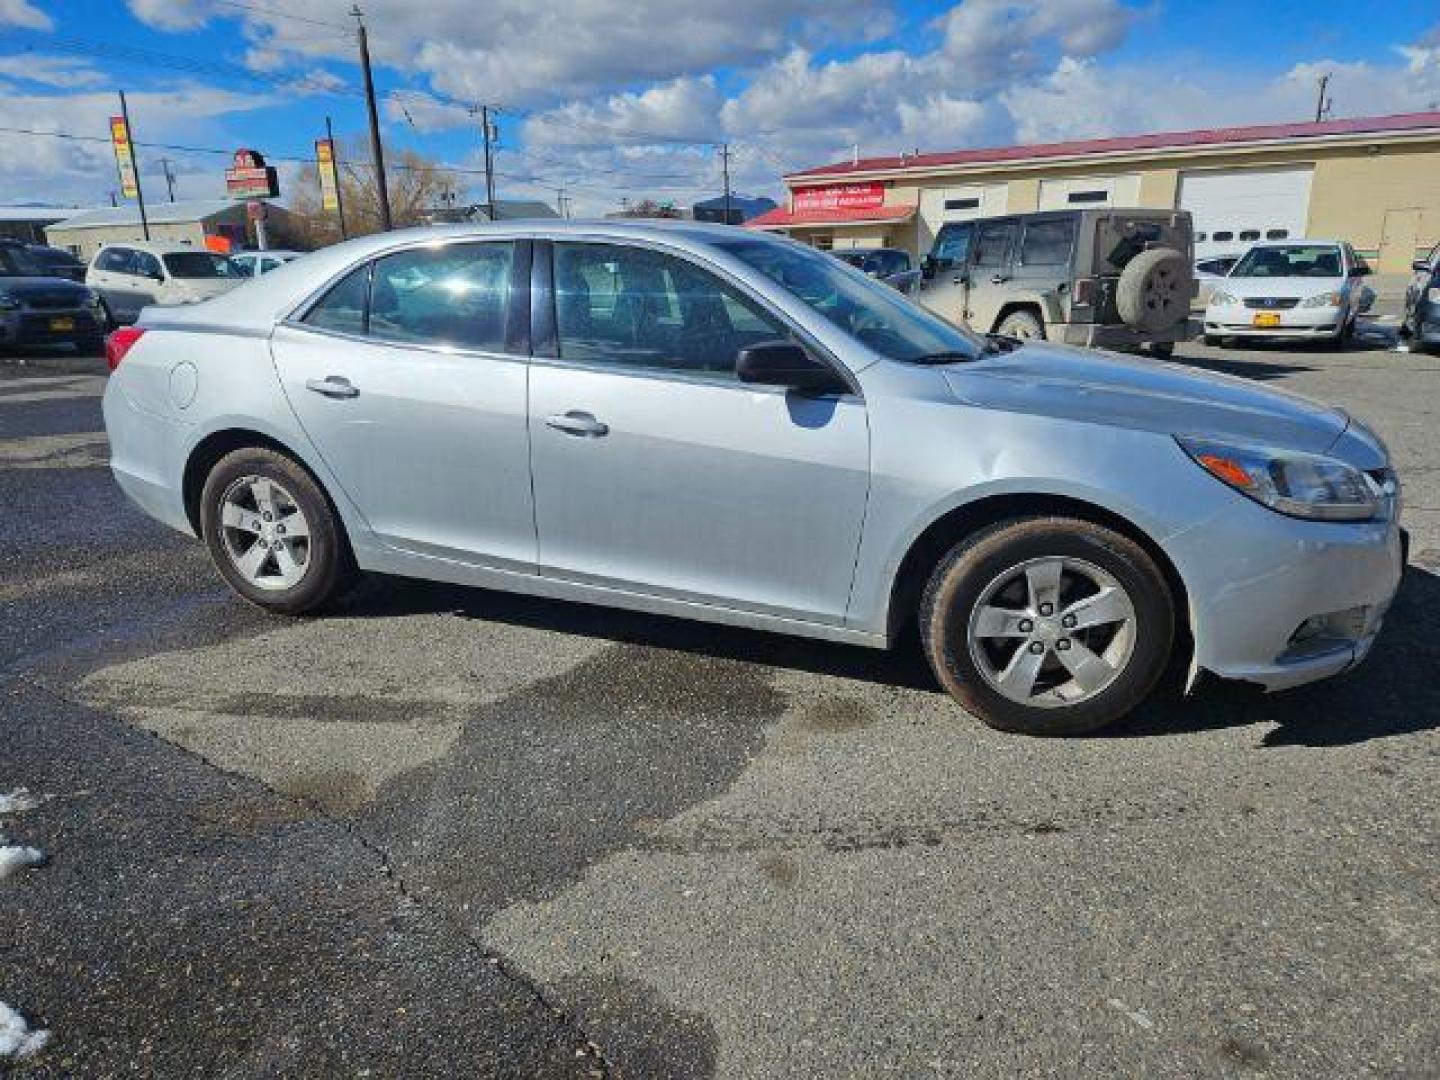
(417, 184)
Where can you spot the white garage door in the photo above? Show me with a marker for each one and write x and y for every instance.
(1081, 192)
(1233, 208)
(961, 203)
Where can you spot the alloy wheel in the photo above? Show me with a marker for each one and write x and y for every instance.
(265, 533)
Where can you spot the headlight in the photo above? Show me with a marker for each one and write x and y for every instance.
(1325, 299)
(9, 302)
(1221, 298)
(1289, 481)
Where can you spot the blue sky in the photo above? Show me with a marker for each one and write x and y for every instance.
(620, 99)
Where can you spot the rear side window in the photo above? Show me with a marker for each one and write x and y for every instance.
(342, 309)
(992, 245)
(1047, 243)
(143, 264)
(453, 295)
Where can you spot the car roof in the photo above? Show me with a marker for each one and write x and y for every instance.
(156, 247)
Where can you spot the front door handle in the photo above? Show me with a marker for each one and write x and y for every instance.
(999, 279)
(576, 422)
(333, 386)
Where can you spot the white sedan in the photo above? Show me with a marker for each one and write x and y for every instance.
(1311, 289)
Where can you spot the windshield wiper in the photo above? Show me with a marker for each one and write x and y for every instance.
(949, 357)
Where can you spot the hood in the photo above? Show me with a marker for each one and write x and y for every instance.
(1150, 395)
(1301, 287)
(28, 287)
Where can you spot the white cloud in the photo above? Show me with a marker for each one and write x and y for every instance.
(681, 110)
(170, 15)
(25, 15)
(62, 71)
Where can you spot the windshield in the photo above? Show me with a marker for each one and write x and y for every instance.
(1295, 260)
(871, 313)
(201, 264)
(17, 263)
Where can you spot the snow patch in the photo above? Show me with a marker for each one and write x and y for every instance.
(18, 801)
(16, 1038)
(16, 857)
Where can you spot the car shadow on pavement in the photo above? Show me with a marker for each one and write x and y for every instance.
(1247, 368)
(1395, 692)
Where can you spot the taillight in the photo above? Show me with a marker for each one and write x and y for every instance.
(119, 342)
(1084, 290)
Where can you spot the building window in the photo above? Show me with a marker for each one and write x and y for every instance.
(1222, 236)
(1097, 196)
(1199, 237)
(962, 204)
(1276, 234)
(1249, 234)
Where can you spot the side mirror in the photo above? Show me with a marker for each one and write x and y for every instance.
(783, 363)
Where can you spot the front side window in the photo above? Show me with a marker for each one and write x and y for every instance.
(114, 260)
(1296, 260)
(456, 295)
(641, 308)
(1047, 243)
(952, 246)
(192, 265)
(870, 312)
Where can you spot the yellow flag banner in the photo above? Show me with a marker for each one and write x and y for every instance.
(124, 157)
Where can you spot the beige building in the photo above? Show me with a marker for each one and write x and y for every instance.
(190, 222)
(1374, 181)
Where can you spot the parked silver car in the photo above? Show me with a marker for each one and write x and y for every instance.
(689, 420)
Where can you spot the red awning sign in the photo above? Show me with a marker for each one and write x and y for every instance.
(839, 197)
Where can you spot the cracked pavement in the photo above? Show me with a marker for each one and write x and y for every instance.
(449, 832)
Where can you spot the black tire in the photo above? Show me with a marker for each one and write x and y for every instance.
(329, 567)
(1213, 340)
(962, 577)
(1162, 350)
(1022, 324)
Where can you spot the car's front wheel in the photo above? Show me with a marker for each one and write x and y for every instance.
(272, 533)
(1048, 625)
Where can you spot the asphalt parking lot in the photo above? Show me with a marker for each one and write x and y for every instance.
(447, 832)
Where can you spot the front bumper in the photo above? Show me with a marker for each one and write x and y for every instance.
(1256, 578)
(1298, 322)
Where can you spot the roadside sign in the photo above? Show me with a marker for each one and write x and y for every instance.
(124, 157)
(250, 178)
(329, 179)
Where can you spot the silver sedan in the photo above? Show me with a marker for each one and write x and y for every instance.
(698, 421)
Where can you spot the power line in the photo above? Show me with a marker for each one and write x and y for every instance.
(259, 10)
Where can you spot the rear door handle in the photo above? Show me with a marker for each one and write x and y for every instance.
(333, 386)
(576, 422)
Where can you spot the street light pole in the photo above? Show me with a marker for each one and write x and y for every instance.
(377, 151)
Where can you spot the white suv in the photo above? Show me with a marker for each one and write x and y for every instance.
(130, 276)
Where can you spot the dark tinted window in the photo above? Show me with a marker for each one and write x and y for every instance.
(962, 204)
(114, 260)
(143, 264)
(641, 308)
(885, 263)
(17, 263)
(992, 245)
(952, 246)
(1199, 237)
(1047, 243)
(1249, 234)
(453, 295)
(1222, 236)
(1277, 234)
(343, 307)
(201, 264)
(1088, 197)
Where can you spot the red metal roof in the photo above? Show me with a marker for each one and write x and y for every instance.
(1160, 141)
(780, 218)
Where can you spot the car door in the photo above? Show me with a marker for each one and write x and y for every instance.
(113, 275)
(657, 471)
(943, 282)
(409, 376)
(989, 274)
(1043, 258)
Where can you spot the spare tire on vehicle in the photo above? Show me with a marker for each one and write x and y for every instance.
(1154, 289)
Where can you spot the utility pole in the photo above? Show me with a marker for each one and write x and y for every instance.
(488, 133)
(1322, 106)
(113, 200)
(339, 194)
(725, 167)
(169, 177)
(139, 192)
(377, 151)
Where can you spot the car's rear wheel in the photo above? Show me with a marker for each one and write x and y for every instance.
(272, 533)
(1023, 325)
(1048, 625)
